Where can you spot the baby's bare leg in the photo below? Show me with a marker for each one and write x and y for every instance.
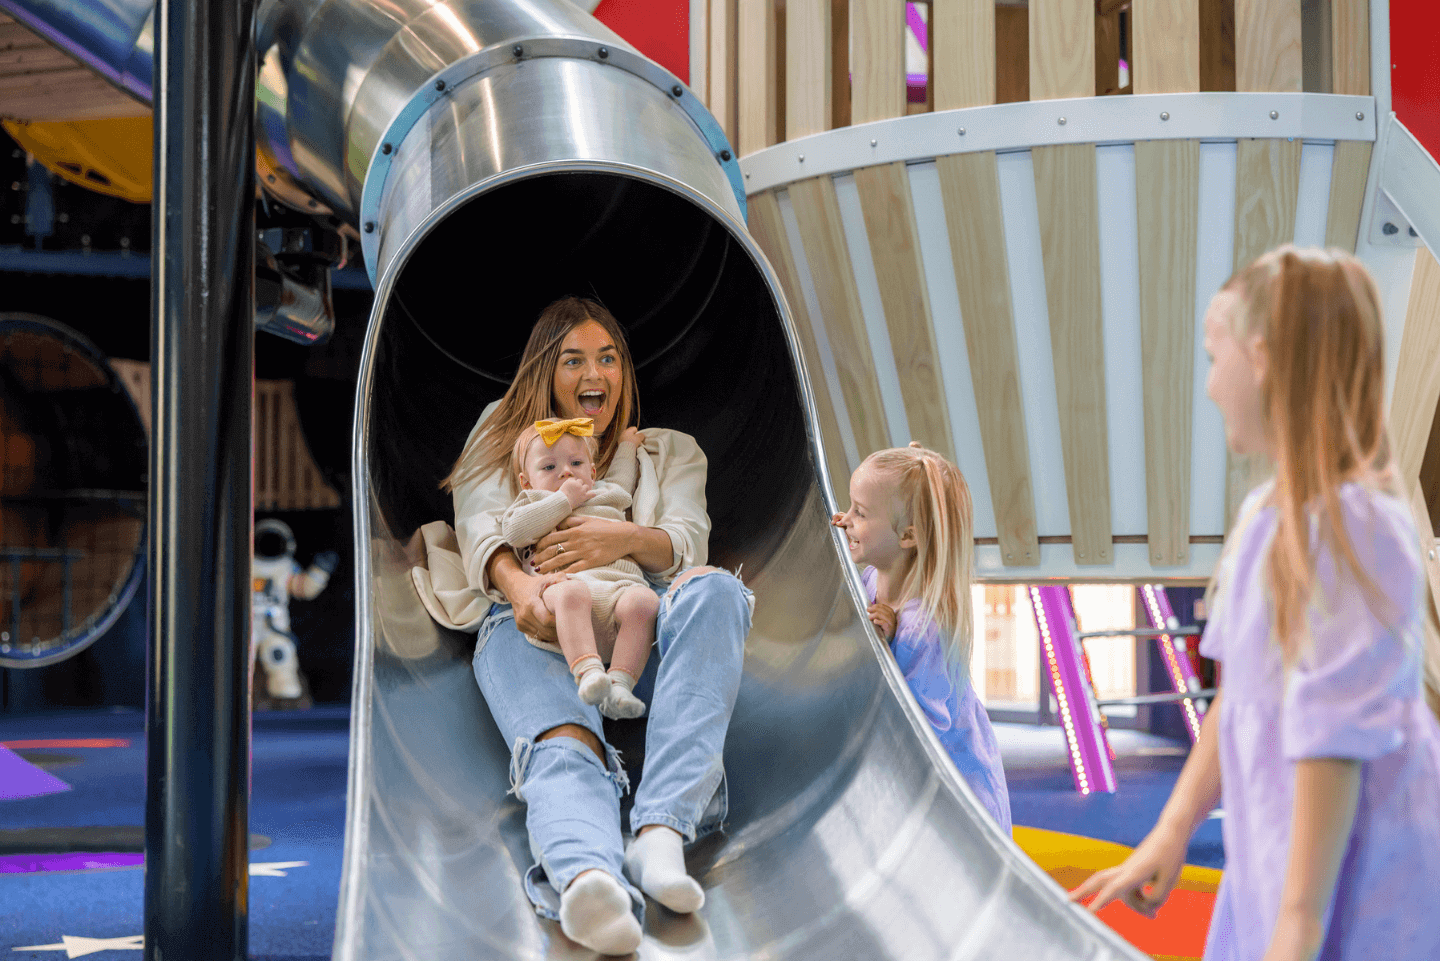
(635, 611)
(569, 601)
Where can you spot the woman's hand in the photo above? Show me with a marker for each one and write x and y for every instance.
(531, 614)
(883, 617)
(632, 435)
(1143, 881)
(582, 544)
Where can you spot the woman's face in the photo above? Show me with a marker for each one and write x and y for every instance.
(588, 377)
(1237, 371)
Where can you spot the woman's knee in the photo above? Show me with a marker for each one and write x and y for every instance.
(581, 734)
(689, 575)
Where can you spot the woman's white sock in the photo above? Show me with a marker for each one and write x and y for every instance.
(595, 912)
(590, 675)
(656, 863)
(621, 702)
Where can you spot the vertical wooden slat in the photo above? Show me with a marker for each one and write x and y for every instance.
(970, 190)
(817, 211)
(1267, 45)
(759, 94)
(723, 62)
(895, 248)
(1350, 46)
(1107, 54)
(1267, 188)
(839, 63)
(1348, 170)
(1417, 379)
(878, 71)
(768, 229)
(962, 49)
(1166, 59)
(807, 67)
(1217, 45)
(1062, 49)
(1012, 55)
(1067, 195)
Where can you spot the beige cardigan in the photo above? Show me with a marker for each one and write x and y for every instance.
(669, 495)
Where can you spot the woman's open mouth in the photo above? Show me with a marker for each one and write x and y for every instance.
(592, 401)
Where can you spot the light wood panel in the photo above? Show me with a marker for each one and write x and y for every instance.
(1350, 46)
(1417, 379)
(723, 86)
(768, 229)
(878, 72)
(839, 63)
(1217, 45)
(759, 94)
(807, 67)
(1167, 188)
(1107, 54)
(286, 477)
(1267, 188)
(1062, 49)
(962, 53)
(900, 272)
(1166, 57)
(817, 211)
(1348, 171)
(1012, 54)
(1267, 45)
(970, 189)
(1067, 195)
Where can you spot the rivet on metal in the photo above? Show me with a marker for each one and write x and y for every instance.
(873, 141)
(1009, 557)
(440, 85)
(1165, 115)
(962, 131)
(1062, 121)
(1389, 230)
(802, 158)
(1360, 115)
(604, 52)
(385, 148)
(1081, 554)
(676, 90)
(369, 226)
(518, 50)
(747, 175)
(1274, 115)
(725, 156)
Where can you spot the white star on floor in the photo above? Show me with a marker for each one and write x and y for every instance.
(79, 947)
(274, 869)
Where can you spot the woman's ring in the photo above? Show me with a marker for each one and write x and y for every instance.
(559, 548)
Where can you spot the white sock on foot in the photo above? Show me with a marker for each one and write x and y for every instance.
(590, 675)
(656, 863)
(595, 912)
(621, 702)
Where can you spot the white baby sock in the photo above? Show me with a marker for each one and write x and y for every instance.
(591, 677)
(621, 702)
(595, 913)
(656, 863)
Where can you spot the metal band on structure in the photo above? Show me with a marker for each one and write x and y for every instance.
(1099, 120)
(443, 83)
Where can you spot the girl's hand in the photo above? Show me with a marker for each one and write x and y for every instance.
(632, 435)
(835, 519)
(1143, 881)
(578, 490)
(588, 542)
(883, 617)
(531, 614)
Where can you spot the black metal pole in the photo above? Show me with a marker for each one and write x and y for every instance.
(197, 716)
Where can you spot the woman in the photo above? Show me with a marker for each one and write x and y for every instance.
(577, 364)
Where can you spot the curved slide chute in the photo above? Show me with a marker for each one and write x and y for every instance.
(493, 156)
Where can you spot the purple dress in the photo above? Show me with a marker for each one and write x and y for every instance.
(1356, 694)
(958, 717)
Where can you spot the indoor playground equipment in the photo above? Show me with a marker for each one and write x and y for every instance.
(1016, 284)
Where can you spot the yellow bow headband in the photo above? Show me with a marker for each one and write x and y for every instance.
(552, 430)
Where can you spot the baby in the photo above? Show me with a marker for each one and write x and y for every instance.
(554, 468)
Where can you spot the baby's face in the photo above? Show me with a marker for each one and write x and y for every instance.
(546, 468)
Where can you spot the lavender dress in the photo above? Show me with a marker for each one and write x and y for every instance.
(1357, 694)
(958, 717)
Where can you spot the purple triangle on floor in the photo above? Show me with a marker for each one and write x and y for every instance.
(19, 778)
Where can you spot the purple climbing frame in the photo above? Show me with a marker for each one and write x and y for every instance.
(1074, 698)
(1173, 651)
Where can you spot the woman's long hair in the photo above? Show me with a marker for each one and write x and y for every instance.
(932, 497)
(1323, 395)
(531, 394)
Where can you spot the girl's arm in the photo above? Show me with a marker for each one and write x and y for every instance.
(1144, 880)
(1327, 794)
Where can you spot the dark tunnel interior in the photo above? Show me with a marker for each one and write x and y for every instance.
(706, 336)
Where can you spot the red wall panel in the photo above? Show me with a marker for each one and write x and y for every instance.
(1415, 68)
(660, 29)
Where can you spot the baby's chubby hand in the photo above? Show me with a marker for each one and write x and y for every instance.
(632, 435)
(578, 490)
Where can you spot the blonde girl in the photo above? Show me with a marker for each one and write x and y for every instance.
(909, 531)
(1321, 745)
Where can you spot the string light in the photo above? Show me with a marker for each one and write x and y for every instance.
(1172, 662)
(1061, 698)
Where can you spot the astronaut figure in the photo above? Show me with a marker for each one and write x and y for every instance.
(277, 577)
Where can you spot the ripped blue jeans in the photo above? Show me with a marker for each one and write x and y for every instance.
(572, 800)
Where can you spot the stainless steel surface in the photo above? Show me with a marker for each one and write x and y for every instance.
(115, 38)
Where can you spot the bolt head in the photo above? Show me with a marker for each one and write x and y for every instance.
(1062, 121)
(676, 90)
(440, 85)
(873, 141)
(1165, 115)
(369, 226)
(518, 50)
(385, 148)
(1274, 115)
(604, 52)
(1360, 115)
(802, 158)
(724, 156)
(1389, 230)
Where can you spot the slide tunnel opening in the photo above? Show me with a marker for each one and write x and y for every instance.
(703, 326)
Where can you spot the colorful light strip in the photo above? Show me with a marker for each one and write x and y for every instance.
(1159, 619)
(1077, 762)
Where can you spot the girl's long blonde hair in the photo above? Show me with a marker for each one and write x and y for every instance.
(1323, 395)
(932, 497)
(531, 394)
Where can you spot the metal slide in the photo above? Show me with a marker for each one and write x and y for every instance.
(492, 156)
